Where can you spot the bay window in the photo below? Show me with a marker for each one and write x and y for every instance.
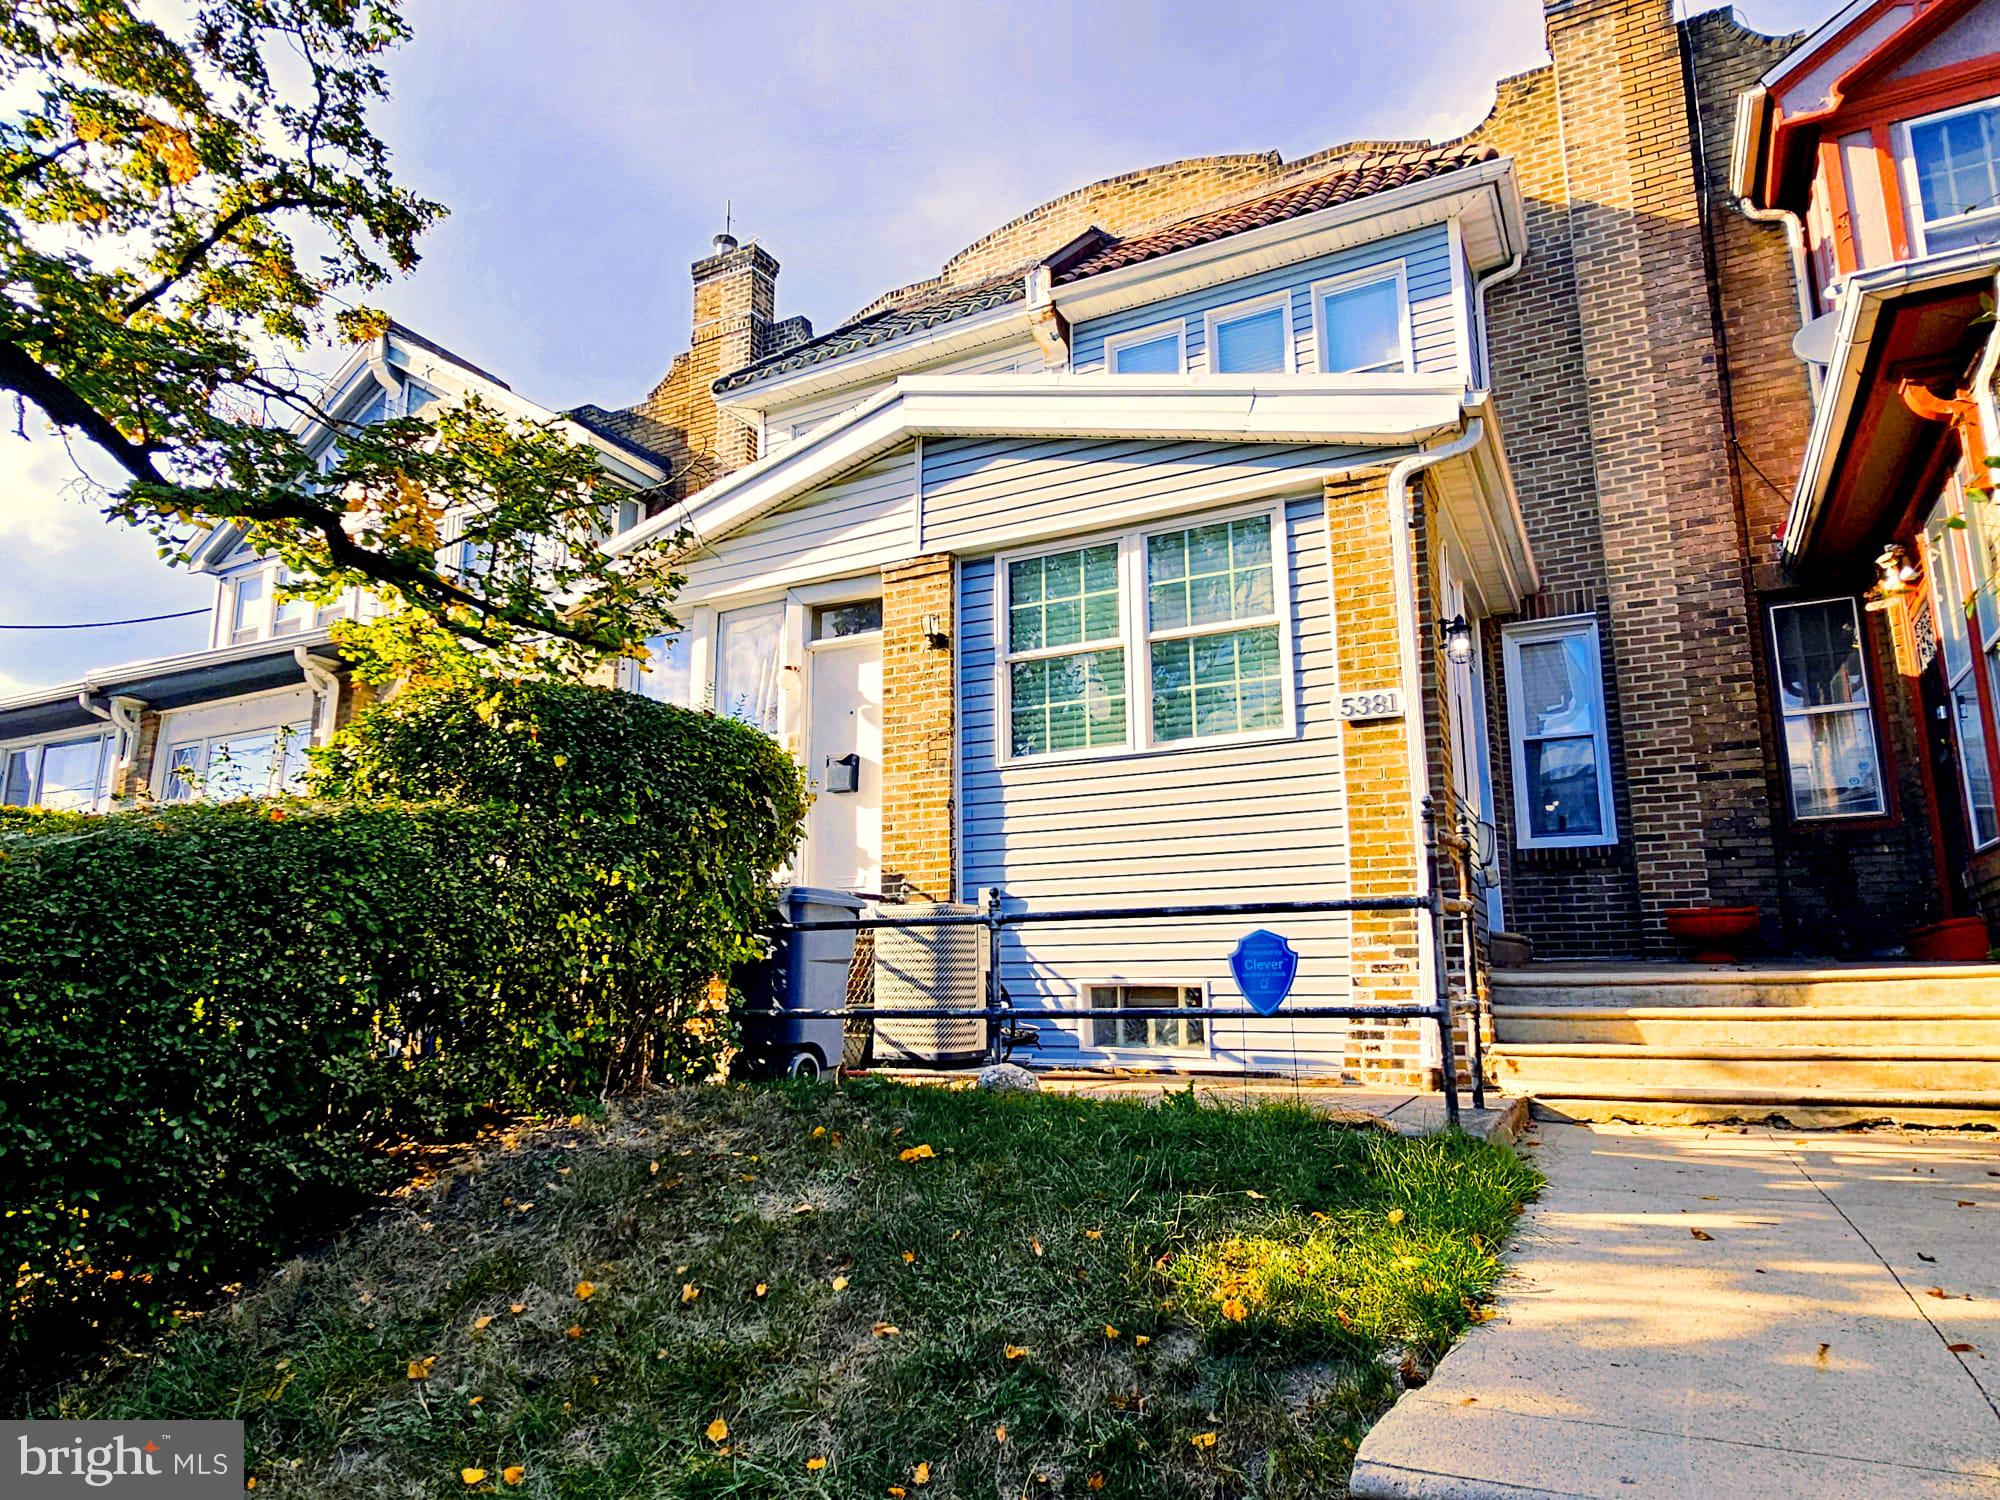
(1148, 641)
(68, 775)
(258, 762)
(1561, 739)
(1825, 711)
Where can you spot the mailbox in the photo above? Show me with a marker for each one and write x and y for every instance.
(843, 772)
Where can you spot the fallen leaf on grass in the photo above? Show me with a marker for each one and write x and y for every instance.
(897, 1492)
(1253, 1193)
(1395, 1216)
(517, 1308)
(917, 1153)
(909, 1257)
(717, 1430)
(921, 1474)
(472, 1476)
(757, 1293)
(1093, 1234)
(1015, 1351)
(1110, 1332)
(474, 1400)
(886, 1330)
(482, 1322)
(819, 1132)
(1234, 1310)
(1701, 1234)
(1035, 1245)
(689, 1291)
(652, 1169)
(1203, 1440)
(513, 1474)
(1000, 1433)
(574, 1331)
(840, 1283)
(420, 1369)
(585, 1291)
(1141, 1340)
(814, 1465)
(1095, 1482)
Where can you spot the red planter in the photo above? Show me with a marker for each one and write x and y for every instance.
(1716, 934)
(1954, 940)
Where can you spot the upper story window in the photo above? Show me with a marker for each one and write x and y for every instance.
(1159, 350)
(1364, 324)
(247, 607)
(1824, 711)
(1251, 338)
(1954, 161)
(1561, 739)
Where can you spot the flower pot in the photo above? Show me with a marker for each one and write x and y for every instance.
(1954, 940)
(1714, 934)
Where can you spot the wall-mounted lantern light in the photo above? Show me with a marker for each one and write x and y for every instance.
(935, 633)
(1455, 635)
(1897, 571)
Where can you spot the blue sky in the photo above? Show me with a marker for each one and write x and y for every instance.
(587, 162)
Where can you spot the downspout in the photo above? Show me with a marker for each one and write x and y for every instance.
(1400, 525)
(1795, 240)
(1480, 287)
(326, 689)
(122, 715)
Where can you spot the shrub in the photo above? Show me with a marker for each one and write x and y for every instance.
(218, 1018)
(658, 830)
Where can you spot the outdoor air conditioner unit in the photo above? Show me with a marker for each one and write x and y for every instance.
(930, 968)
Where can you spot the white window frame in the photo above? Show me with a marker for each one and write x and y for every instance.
(259, 629)
(1135, 638)
(107, 763)
(1087, 1036)
(1397, 271)
(1866, 708)
(1235, 312)
(1175, 328)
(1512, 638)
(1906, 152)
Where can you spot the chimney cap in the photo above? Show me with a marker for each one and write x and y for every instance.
(724, 242)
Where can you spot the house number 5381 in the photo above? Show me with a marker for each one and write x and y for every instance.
(1384, 704)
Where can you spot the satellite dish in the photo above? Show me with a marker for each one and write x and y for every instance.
(1814, 342)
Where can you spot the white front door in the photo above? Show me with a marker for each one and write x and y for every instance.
(844, 747)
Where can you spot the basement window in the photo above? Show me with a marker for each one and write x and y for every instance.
(1561, 742)
(1166, 1032)
(1825, 712)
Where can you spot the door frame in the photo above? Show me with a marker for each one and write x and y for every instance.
(805, 600)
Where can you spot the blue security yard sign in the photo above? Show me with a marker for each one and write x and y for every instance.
(1264, 965)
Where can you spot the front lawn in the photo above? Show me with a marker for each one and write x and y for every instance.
(876, 1291)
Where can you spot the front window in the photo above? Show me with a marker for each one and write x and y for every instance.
(260, 762)
(1150, 351)
(1363, 328)
(1955, 160)
(1561, 741)
(1825, 712)
(667, 673)
(246, 621)
(1166, 1032)
(1065, 651)
(72, 775)
(1212, 625)
(1251, 338)
(749, 660)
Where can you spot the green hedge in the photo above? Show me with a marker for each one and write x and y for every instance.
(217, 1020)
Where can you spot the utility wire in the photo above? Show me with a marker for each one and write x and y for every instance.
(108, 624)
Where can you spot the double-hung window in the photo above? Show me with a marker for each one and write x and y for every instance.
(1147, 351)
(1825, 711)
(1364, 324)
(1561, 742)
(248, 608)
(1146, 641)
(1251, 338)
(1212, 630)
(1065, 651)
(1954, 167)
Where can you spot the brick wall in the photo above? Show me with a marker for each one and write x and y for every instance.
(136, 778)
(1384, 947)
(917, 730)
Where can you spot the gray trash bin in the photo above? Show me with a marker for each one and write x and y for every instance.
(806, 981)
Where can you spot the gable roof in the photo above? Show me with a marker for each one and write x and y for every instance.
(1347, 177)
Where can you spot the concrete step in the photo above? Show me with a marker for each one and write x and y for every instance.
(1659, 985)
(1801, 1109)
(1606, 1070)
(1751, 1025)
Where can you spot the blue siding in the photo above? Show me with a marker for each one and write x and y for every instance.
(1426, 254)
(1219, 823)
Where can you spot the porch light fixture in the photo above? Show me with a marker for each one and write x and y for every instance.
(935, 633)
(1455, 635)
(1897, 571)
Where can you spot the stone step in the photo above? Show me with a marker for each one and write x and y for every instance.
(1604, 1070)
(1751, 1025)
(1800, 1109)
(1646, 984)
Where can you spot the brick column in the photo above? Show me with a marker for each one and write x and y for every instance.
(135, 781)
(1383, 947)
(918, 717)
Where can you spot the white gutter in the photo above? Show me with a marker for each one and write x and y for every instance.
(99, 678)
(1481, 285)
(1753, 113)
(1428, 957)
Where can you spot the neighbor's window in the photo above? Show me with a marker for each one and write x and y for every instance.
(749, 658)
(72, 775)
(1955, 159)
(1363, 327)
(1212, 630)
(1150, 351)
(666, 673)
(246, 620)
(1165, 1032)
(1562, 758)
(1824, 711)
(1065, 654)
(1251, 338)
(259, 762)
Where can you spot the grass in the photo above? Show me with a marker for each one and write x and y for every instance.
(1151, 1299)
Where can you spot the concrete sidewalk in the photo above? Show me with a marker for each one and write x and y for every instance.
(1725, 1312)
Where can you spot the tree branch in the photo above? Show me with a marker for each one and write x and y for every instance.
(223, 228)
(23, 374)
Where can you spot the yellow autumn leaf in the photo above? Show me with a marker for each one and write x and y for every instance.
(840, 1283)
(517, 1308)
(1016, 1351)
(688, 1293)
(575, 1331)
(921, 1474)
(1234, 1310)
(761, 1289)
(819, 1132)
(1203, 1440)
(482, 1322)
(1095, 1482)
(1035, 1245)
(472, 1476)
(1141, 1340)
(909, 1257)
(717, 1430)
(474, 1400)
(1395, 1216)
(918, 1153)
(420, 1369)
(897, 1492)
(513, 1474)
(1110, 1332)
(886, 1330)
(1000, 1433)
(1093, 1234)
(814, 1465)
(585, 1291)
